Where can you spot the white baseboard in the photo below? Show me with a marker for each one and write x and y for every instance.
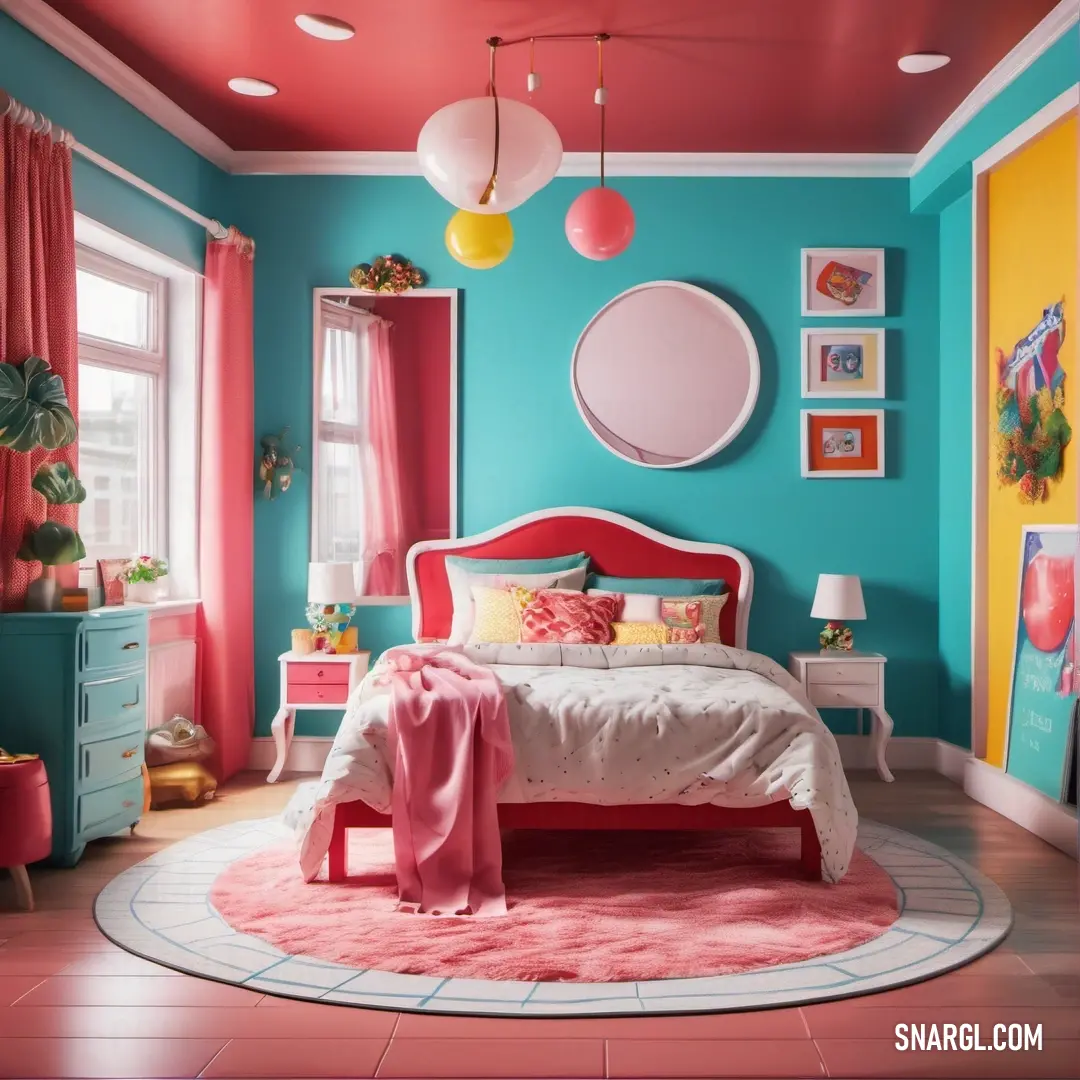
(308, 754)
(1030, 809)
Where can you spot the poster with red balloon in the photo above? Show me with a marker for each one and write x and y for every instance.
(1044, 678)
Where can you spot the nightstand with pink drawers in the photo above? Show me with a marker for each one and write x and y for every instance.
(848, 680)
(317, 681)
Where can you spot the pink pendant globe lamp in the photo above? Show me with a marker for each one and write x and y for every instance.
(600, 222)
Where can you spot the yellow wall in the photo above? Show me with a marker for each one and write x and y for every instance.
(1032, 263)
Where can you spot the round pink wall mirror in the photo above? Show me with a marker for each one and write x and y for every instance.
(666, 374)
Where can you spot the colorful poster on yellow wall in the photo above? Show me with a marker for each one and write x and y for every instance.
(1032, 324)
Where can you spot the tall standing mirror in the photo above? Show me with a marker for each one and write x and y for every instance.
(385, 431)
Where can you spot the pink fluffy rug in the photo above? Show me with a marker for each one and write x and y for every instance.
(584, 907)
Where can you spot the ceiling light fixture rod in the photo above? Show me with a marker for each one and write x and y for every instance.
(493, 44)
(503, 43)
(601, 96)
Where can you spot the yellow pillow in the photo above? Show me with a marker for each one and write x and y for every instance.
(639, 633)
(497, 614)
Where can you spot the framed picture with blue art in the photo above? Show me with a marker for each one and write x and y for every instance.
(843, 363)
(1042, 695)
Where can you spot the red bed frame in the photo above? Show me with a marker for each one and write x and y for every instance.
(617, 546)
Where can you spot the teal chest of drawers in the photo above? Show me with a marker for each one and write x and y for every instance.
(73, 689)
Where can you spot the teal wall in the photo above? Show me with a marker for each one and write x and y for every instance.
(40, 77)
(943, 187)
(523, 445)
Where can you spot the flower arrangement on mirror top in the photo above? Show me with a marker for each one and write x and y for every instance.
(387, 273)
(1032, 430)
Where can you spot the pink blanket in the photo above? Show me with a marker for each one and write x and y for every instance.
(449, 739)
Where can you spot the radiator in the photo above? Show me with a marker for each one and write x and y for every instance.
(172, 682)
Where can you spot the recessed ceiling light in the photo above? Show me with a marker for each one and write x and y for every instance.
(921, 62)
(252, 87)
(325, 26)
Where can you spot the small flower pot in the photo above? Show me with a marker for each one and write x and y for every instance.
(143, 592)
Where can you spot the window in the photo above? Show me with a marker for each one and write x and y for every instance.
(340, 511)
(122, 407)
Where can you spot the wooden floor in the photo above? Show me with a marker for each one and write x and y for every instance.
(73, 1005)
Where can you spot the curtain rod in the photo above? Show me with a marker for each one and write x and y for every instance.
(22, 114)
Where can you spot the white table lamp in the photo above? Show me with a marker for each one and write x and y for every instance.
(838, 599)
(331, 603)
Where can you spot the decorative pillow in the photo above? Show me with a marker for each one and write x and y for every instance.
(683, 620)
(570, 618)
(639, 633)
(497, 614)
(518, 566)
(461, 582)
(709, 618)
(635, 607)
(658, 586)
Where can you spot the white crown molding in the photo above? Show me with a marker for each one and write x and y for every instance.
(404, 163)
(1056, 23)
(66, 38)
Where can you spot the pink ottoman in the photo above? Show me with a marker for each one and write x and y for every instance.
(25, 822)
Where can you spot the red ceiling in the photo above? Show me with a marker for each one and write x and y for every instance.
(683, 75)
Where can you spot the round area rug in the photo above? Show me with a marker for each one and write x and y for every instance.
(599, 907)
(598, 924)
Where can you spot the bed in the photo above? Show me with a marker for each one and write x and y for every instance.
(789, 774)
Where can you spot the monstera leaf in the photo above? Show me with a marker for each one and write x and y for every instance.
(53, 544)
(34, 408)
(58, 484)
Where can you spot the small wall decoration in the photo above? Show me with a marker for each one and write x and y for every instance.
(1044, 678)
(387, 274)
(847, 282)
(277, 463)
(840, 443)
(843, 363)
(110, 574)
(1032, 429)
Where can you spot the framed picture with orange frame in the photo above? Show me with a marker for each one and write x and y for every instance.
(843, 443)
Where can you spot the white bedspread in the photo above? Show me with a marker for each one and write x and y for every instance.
(622, 724)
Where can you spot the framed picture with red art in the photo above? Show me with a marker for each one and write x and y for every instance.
(109, 571)
(843, 443)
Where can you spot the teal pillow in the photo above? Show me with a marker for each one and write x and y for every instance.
(518, 566)
(657, 586)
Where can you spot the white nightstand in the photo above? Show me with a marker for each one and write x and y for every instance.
(313, 681)
(848, 680)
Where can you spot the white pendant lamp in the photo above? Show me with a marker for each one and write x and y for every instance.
(488, 154)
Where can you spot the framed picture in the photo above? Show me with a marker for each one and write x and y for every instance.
(843, 363)
(838, 443)
(1039, 738)
(847, 282)
(109, 571)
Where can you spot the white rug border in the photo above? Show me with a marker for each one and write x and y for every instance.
(159, 910)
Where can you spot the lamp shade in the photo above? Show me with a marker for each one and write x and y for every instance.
(838, 598)
(331, 583)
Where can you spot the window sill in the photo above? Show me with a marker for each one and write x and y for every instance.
(162, 608)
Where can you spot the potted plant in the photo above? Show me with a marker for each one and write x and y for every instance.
(142, 579)
(34, 415)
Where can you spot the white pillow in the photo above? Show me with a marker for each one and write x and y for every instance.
(461, 583)
(636, 607)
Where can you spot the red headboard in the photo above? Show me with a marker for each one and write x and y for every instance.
(617, 546)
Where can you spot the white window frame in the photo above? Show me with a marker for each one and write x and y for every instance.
(152, 361)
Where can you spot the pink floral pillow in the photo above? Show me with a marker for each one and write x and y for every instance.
(683, 620)
(569, 617)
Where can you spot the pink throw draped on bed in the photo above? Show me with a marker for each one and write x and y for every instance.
(449, 739)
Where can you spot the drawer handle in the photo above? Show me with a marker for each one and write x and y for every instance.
(320, 673)
(130, 704)
(132, 645)
(130, 753)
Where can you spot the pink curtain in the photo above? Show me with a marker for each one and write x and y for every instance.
(226, 506)
(37, 317)
(384, 517)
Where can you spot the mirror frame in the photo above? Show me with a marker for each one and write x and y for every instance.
(748, 404)
(320, 294)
